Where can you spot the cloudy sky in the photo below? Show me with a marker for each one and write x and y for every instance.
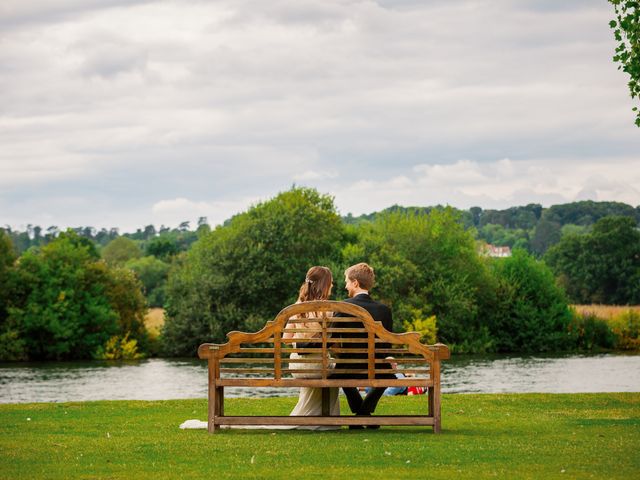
(123, 113)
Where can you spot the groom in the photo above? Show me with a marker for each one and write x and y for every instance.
(359, 280)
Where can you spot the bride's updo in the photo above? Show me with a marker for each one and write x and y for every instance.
(317, 285)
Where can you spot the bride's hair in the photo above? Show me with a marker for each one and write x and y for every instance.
(316, 285)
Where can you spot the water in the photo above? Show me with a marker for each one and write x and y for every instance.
(162, 379)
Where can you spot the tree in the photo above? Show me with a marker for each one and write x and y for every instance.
(626, 29)
(162, 247)
(427, 265)
(67, 303)
(61, 308)
(547, 233)
(153, 273)
(602, 266)
(243, 273)
(120, 250)
(531, 313)
(11, 346)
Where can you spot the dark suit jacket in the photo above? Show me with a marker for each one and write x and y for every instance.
(379, 312)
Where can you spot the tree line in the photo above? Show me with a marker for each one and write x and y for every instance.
(73, 297)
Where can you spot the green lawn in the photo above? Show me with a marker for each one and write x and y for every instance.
(484, 436)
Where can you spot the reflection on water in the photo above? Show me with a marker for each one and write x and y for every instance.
(162, 379)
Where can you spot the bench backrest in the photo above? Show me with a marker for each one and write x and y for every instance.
(352, 342)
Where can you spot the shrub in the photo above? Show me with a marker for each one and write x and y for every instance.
(531, 312)
(591, 332)
(67, 303)
(425, 326)
(119, 348)
(626, 327)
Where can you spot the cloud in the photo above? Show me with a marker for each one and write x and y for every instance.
(177, 210)
(129, 103)
(497, 184)
(314, 175)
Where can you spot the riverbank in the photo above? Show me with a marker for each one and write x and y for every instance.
(484, 436)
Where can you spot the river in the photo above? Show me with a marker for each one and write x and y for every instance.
(162, 379)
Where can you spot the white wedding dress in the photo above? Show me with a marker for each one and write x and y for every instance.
(310, 398)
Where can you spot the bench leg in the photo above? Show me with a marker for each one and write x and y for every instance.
(435, 400)
(216, 397)
(214, 404)
(434, 397)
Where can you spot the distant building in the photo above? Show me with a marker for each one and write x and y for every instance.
(499, 252)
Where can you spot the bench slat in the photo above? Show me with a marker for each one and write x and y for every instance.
(319, 382)
(359, 420)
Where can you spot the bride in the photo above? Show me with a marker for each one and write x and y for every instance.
(316, 286)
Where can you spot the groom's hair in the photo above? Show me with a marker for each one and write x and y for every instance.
(363, 273)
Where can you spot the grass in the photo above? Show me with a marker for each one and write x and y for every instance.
(484, 436)
(606, 312)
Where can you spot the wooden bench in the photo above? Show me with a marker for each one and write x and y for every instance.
(261, 359)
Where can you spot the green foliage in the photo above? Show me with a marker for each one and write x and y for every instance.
(119, 348)
(496, 234)
(124, 293)
(120, 250)
(66, 302)
(243, 273)
(12, 347)
(425, 326)
(523, 218)
(153, 274)
(591, 332)
(61, 308)
(531, 313)
(546, 234)
(163, 247)
(626, 327)
(7, 259)
(626, 30)
(602, 266)
(571, 229)
(588, 212)
(425, 263)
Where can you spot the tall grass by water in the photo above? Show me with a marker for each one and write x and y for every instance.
(606, 312)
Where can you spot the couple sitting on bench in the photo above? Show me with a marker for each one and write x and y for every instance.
(320, 346)
(317, 286)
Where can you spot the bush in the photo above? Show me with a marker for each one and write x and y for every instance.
(67, 303)
(591, 332)
(425, 326)
(626, 328)
(531, 312)
(119, 348)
